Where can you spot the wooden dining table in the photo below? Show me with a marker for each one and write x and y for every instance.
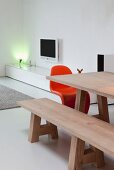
(101, 84)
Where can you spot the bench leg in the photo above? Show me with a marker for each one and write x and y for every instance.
(34, 130)
(96, 156)
(99, 158)
(103, 115)
(76, 153)
(54, 131)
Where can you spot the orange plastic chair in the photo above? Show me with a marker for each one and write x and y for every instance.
(66, 93)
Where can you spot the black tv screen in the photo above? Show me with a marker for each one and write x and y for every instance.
(48, 48)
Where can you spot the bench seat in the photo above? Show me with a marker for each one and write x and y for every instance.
(98, 133)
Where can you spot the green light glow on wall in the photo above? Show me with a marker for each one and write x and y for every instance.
(20, 52)
(21, 55)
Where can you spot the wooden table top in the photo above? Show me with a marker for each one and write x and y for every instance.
(101, 83)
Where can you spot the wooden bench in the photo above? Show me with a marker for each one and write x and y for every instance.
(81, 127)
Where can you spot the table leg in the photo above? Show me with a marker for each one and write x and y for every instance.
(77, 145)
(76, 153)
(80, 100)
(103, 108)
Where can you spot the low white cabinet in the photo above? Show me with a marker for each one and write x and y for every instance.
(32, 75)
(35, 76)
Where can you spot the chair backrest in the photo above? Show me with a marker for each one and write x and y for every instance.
(58, 70)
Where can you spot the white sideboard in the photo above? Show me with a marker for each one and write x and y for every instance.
(32, 75)
(35, 76)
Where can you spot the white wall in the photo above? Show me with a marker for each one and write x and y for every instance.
(85, 27)
(10, 30)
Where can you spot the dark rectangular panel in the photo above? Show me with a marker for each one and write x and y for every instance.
(100, 62)
(47, 48)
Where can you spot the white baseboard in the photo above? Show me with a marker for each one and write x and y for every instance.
(2, 70)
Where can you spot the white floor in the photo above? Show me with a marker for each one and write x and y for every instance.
(16, 153)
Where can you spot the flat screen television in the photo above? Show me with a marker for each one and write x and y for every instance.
(49, 49)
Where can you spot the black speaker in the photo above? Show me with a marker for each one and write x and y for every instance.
(100, 62)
